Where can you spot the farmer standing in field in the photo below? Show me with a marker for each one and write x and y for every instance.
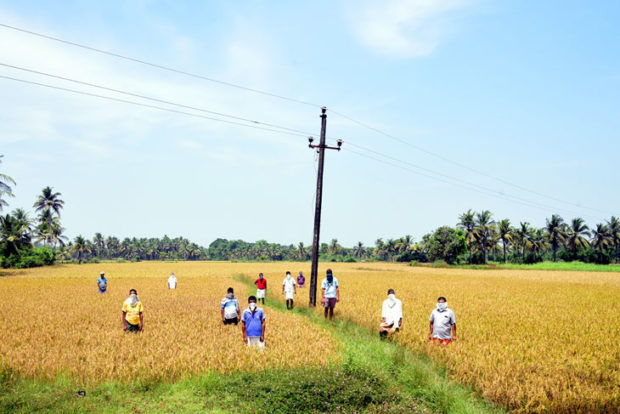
(133, 317)
(288, 289)
(443, 323)
(102, 283)
(253, 324)
(172, 281)
(391, 315)
(301, 280)
(229, 308)
(331, 293)
(261, 287)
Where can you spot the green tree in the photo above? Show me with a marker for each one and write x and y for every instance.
(504, 232)
(5, 187)
(614, 233)
(446, 244)
(577, 233)
(467, 223)
(600, 240)
(555, 233)
(48, 203)
(484, 227)
(359, 250)
(81, 248)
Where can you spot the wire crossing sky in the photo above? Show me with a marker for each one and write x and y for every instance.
(524, 129)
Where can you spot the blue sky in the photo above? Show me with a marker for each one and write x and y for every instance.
(526, 92)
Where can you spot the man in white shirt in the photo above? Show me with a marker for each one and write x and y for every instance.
(289, 289)
(442, 323)
(391, 315)
(172, 281)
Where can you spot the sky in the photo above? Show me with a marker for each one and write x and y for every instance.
(443, 106)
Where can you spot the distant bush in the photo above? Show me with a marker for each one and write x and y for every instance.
(440, 264)
(35, 257)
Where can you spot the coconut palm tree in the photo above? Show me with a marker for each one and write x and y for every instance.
(467, 224)
(13, 235)
(600, 240)
(49, 202)
(523, 235)
(81, 247)
(504, 232)
(555, 233)
(5, 187)
(577, 233)
(614, 232)
(483, 229)
(359, 250)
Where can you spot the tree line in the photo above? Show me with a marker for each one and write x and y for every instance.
(477, 238)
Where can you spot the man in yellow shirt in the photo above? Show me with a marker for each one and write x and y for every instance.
(133, 319)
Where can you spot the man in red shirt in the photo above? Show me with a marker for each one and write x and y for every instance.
(261, 287)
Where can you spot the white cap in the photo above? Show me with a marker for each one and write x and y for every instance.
(102, 273)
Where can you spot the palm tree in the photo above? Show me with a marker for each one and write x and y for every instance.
(504, 231)
(467, 224)
(13, 234)
(404, 243)
(359, 251)
(614, 232)
(555, 233)
(390, 248)
(576, 235)
(537, 242)
(379, 248)
(301, 251)
(483, 229)
(50, 202)
(24, 221)
(99, 242)
(600, 240)
(5, 188)
(81, 247)
(523, 233)
(334, 247)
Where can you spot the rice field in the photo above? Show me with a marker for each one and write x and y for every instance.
(529, 341)
(55, 323)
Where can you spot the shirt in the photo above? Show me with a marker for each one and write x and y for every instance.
(133, 312)
(392, 311)
(172, 282)
(253, 322)
(330, 288)
(301, 280)
(230, 307)
(102, 282)
(261, 284)
(442, 323)
(289, 284)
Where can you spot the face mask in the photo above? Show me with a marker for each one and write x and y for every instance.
(230, 296)
(252, 306)
(330, 278)
(288, 275)
(392, 296)
(442, 306)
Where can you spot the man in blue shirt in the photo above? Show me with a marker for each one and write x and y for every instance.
(331, 293)
(102, 282)
(253, 324)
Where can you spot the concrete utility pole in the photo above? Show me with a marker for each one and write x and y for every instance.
(317, 211)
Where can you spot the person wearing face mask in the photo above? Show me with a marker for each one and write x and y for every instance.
(133, 318)
(331, 293)
(261, 287)
(229, 308)
(253, 325)
(301, 280)
(391, 315)
(172, 281)
(289, 289)
(442, 323)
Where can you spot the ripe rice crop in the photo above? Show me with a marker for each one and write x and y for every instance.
(54, 322)
(531, 341)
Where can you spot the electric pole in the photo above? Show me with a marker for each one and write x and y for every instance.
(317, 210)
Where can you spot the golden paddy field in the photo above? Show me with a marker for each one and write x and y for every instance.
(530, 341)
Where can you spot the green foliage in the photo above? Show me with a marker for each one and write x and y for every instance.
(446, 244)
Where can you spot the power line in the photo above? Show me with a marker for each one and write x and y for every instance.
(161, 108)
(461, 165)
(152, 99)
(158, 66)
(458, 182)
(300, 101)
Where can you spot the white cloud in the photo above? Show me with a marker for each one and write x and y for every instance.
(403, 28)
